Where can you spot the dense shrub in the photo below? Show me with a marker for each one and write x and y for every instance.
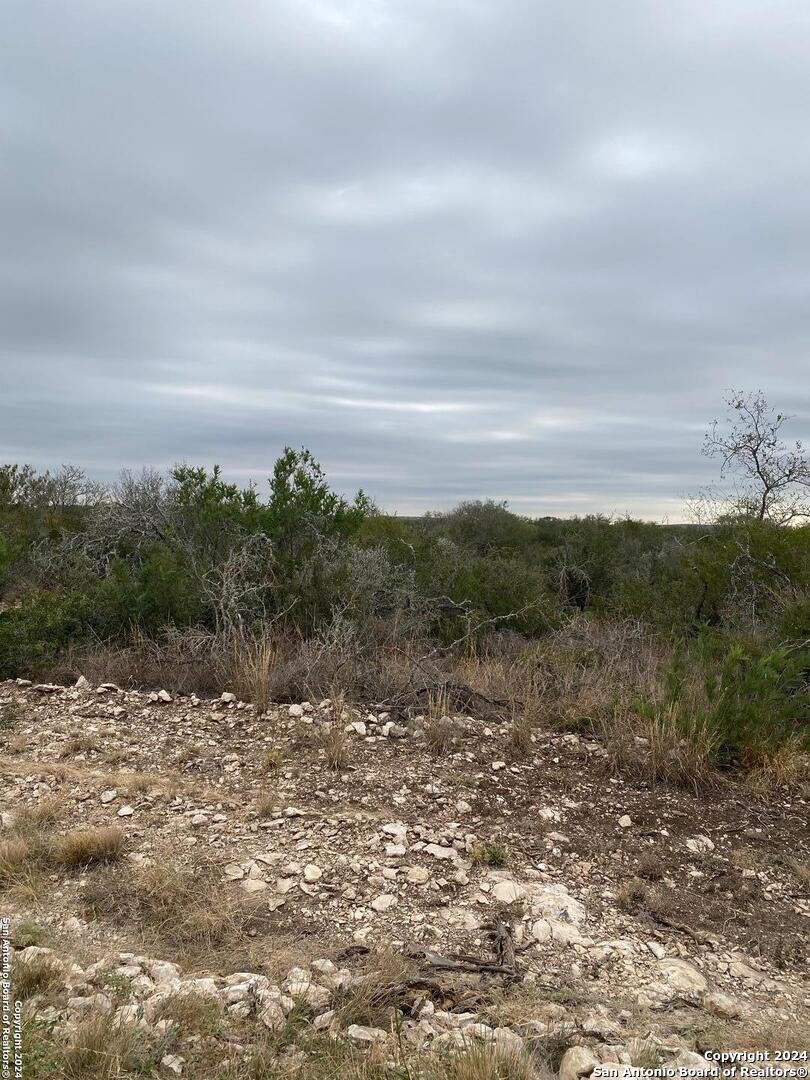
(34, 634)
(750, 700)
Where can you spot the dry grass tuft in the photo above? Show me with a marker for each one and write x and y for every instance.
(137, 783)
(440, 735)
(522, 1002)
(14, 854)
(632, 894)
(180, 661)
(252, 672)
(38, 976)
(334, 740)
(189, 753)
(86, 846)
(282, 1055)
(375, 992)
(78, 744)
(800, 871)
(744, 858)
(31, 819)
(10, 715)
(520, 733)
(183, 907)
(681, 747)
(194, 1014)
(266, 804)
(18, 869)
(786, 768)
(485, 1063)
(335, 743)
(755, 1034)
(645, 1052)
(438, 703)
(675, 745)
(102, 1049)
(636, 896)
(650, 865)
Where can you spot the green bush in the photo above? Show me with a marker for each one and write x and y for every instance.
(158, 592)
(752, 700)
(34, 634)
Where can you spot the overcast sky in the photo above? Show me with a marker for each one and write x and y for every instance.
(458, 248)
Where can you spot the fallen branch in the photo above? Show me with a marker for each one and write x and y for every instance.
(673, 924)
(447, 963)
(501, 939)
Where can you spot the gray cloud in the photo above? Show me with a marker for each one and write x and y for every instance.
(509, 249)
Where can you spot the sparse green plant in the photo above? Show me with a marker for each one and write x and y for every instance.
(10, 715)
(25, 932)
(117, 987)
(272, 759)
(493, 853)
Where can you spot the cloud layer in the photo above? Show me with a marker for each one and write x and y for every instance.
(480, 248)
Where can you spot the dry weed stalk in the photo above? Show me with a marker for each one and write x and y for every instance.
(334, 739)
(520, 732)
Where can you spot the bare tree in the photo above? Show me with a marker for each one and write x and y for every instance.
(771, 476)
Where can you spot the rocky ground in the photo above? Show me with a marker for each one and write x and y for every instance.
(292, 891)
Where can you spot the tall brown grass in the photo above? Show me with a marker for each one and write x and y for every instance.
(252, 666)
